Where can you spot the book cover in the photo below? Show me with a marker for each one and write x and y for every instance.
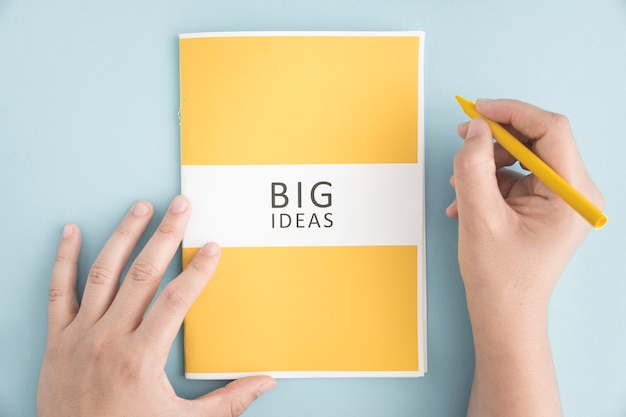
(302, 154)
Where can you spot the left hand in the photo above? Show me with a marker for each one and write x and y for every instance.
(107, 357)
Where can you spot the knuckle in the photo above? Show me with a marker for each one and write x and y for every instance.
(561, 121)
(168, 231)
(55, 294)
(201, 266)
(100, 273)
(459, 160)
(65, 258)
(105, 353)
(238, 405)
(58, 350)
(98, 347)
(132, 365)
(123, 230)
(143, 272)
(173, 297)
(466, 160)
(234, 403)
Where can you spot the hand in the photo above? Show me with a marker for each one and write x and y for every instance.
(515, 238)
(106, 358)
(515, 234)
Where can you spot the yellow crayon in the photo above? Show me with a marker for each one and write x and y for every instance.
(541, 170)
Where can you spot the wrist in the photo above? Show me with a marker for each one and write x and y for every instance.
(507, 318)
(512, 294)
(511, 344)
(514, 373)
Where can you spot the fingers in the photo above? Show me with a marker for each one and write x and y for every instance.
(103, 278)
(501, 156)
(477, 191)
(144, 275)
(531, 121)
(236, 397)
(548, 133)
(63, 305)
(452, 210)
(161, 324)
(506, 180)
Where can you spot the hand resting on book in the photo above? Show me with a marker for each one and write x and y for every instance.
(107, 357)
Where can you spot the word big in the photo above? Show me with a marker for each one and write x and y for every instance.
(319, 198)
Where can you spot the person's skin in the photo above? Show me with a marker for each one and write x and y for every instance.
(107, 357)
(515, 239)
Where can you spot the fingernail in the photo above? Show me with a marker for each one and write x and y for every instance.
(265, 387)
(179, 205)
(484, 100)
(140, 209)
(211, 249)
(67, 231)
(451, 206)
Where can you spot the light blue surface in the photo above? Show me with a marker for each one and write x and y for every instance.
(88, 124)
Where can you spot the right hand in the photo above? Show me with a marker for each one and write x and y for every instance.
(515, 235)
(515, 238)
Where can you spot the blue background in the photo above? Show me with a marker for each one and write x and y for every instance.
(88, 125)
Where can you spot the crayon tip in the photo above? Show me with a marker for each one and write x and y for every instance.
(462, 101)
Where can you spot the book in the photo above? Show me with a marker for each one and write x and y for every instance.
(302, 155)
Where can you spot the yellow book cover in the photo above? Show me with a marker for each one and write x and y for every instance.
(302, 154)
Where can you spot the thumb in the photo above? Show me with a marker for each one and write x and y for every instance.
(475, 182)
(233, 399)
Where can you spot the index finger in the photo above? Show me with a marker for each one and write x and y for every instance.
(161, 324)
(548, 134)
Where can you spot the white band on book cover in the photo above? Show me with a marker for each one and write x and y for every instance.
(304, 205)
